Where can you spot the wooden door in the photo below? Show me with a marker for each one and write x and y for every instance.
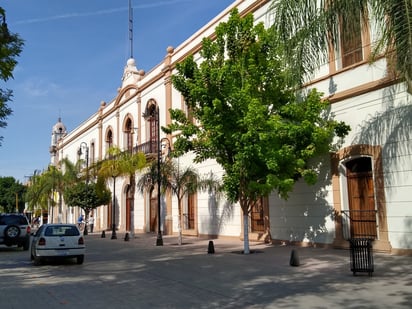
(257, 217)
(153, 214)
(128, 209)
(361, 198)
(189, 215)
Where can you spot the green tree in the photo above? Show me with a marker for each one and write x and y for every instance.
(148, 180)
(303, 26)
(11, 195)
(43, 187)
(248, 118)
(181, 182)
(118, 163)
(130, 163)
(87, 196)
(11, 46)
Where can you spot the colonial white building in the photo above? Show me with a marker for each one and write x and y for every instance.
(363, 189)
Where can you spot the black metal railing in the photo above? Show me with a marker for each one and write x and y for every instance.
(147, 148)
(359, 224)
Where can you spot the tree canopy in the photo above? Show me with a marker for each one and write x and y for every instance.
(11, 195)
(248, 117)
(11, 46)
(87, 196)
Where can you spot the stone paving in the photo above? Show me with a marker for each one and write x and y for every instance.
(137, 274)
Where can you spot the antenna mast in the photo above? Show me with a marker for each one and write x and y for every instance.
(131, 28)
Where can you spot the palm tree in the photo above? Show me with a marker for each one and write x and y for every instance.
(130, 163)
(43, 186)
(148, 181)
(39, 191)
(121, 163)
(303, 25)
(180, 181)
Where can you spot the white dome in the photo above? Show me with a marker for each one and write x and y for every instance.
(59, 127)
(131, 62)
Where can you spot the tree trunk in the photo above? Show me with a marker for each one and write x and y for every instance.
(86, 221)
(179, 223)
(246, 249)
(132, 193)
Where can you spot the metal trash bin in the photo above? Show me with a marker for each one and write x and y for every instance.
(361, 255)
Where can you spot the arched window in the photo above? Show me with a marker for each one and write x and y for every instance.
(109, 139)
(151, 115)
(92, 154)
(128, 132)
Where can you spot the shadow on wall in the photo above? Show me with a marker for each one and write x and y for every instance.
(220, 215)
(406, 239)
(307, 216)
(392, 129)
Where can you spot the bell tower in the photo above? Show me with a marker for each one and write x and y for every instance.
(58, 132)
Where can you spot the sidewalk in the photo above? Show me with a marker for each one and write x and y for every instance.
(192, 278)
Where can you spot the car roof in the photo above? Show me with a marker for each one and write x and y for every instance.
(59, 224)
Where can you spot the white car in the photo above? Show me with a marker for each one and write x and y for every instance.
(57, 241)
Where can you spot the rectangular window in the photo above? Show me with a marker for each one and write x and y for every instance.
(257, 217)
(189, 212)
(350, 43)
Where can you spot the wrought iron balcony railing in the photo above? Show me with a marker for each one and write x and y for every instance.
(150, 147)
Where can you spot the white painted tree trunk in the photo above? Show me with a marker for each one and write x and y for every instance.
(246, 249)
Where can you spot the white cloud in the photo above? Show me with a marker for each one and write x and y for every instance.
(153, 4)
(38, 87)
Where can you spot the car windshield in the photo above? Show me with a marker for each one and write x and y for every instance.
(61, 230)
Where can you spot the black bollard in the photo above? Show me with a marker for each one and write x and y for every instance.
(211, 248)
(294, 258)
(103, 234)
(126, 237)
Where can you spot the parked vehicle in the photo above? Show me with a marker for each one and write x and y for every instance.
(57, 241)
(15, 230)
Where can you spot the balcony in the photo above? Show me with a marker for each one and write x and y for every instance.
(149, 148)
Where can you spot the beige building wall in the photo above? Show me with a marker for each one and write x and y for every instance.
(377, 108)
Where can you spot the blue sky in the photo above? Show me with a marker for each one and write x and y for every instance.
(73, 58)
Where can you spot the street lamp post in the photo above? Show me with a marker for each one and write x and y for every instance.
(159, 240)
(83, 144)
(152, 112)
(114, 236)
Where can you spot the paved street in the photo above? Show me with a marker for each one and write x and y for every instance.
(137, 274)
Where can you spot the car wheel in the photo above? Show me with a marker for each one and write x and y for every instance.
(80, 259)
(37, 260)
(12, 232)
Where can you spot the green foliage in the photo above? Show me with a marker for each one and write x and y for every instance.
(42, 187)
(10, 48)
(49, 186)
(120, 163)
(303, 25)
(11, 192)
(249, 118)
(87, 196)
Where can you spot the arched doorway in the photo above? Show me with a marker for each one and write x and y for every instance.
(128, 208)
(361, 198)
(358, 184)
